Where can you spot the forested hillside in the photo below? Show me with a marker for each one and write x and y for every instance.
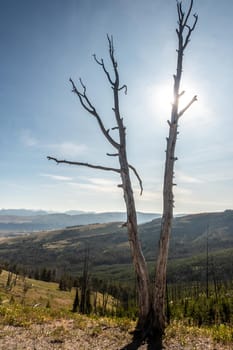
(64, 250)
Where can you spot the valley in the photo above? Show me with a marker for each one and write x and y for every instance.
(64, 249)
(46, 273)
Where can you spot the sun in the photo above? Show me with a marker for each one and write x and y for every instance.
(164, 95)
(160, 98)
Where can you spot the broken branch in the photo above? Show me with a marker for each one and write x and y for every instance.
(112, 154)
(123, 87)
(188, 105)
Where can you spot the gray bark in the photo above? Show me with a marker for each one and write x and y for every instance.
(183, 31)
(124, 171)
(151, 321)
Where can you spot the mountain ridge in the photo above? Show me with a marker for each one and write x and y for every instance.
(64, 249)
(38, 222)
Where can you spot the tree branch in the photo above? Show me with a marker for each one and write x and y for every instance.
(100, 167)
(114, 62)
(181, 94)
(138, 177)
(112, 154)
(81, 97)
(188, 13)
(180, 12)
(123, 87)
(101, 63)
(190, 30)
(182, 22)
(87, 105)
(188, 105)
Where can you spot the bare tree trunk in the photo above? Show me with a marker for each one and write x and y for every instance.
(139, 262)
(151, 319)
(84, 306)
(141, 270)
(183, 32)
(143, 285)
(207, 263)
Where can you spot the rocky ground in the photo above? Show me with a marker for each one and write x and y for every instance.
(67, 335)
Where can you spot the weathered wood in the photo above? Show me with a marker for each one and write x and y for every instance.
(124, 171)
(183, 32)
(135, 245)
(151, 320)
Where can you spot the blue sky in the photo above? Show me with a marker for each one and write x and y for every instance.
(44, 43)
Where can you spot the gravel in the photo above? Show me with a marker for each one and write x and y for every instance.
(65, 335)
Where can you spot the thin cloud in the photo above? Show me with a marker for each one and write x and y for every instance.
(67, 149)
(218, 177)
(63, 149)
(148, 196)
(184, 178)
(102, 182)
(183, 192)
(57, 177)
(96, 185)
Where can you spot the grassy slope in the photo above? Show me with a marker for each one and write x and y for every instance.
(62, 326)
(39, 292)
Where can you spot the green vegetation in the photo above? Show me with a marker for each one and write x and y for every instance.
(43, 302)
(46, 275)
(197, 306)
(64, 250)
(29, 292)
(220, 333)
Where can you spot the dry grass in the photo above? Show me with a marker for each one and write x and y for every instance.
(38, 292)
(84, 333)
(24, 326)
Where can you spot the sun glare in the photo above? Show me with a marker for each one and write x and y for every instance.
(160, 99)
(164, 97)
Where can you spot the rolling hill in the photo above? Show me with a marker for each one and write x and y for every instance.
(64, 249)
(15, 221)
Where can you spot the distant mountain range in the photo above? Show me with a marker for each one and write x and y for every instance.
(110, 257)
(23, 220)
(31, 212)
(22, 212)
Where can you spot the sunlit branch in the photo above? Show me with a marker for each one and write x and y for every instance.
(188, 105)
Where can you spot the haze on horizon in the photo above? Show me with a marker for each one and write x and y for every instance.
(45, 43)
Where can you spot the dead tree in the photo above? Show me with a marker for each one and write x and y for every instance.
(119, 146)
(184, 32)
(85, 303)
(151, 320)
